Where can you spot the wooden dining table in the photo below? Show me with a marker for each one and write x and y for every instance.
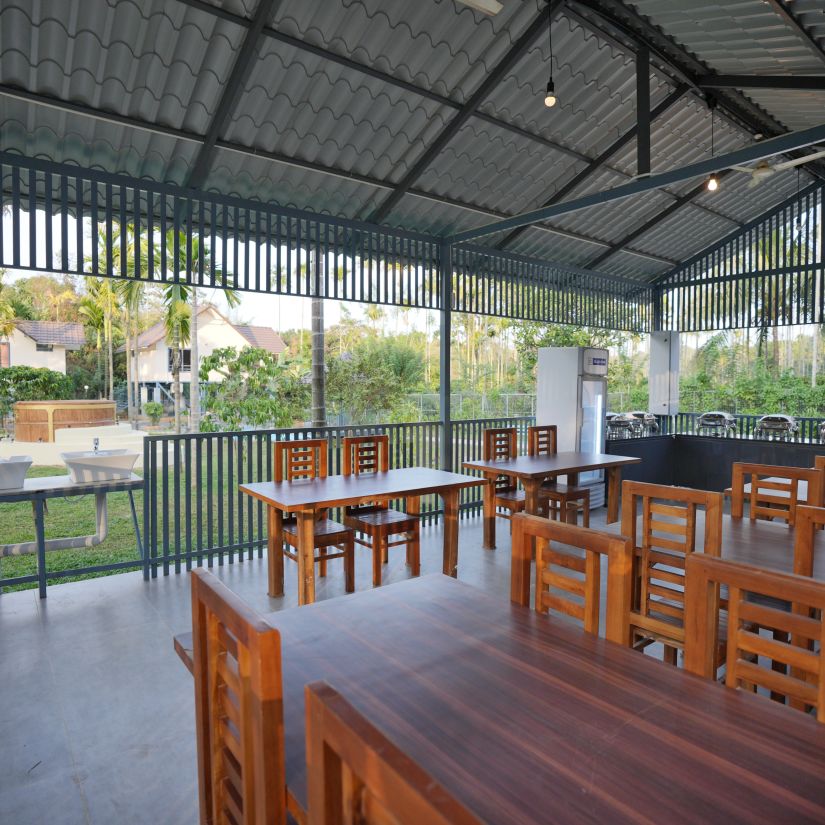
(531, 471)
(306, 497)
(525, 718)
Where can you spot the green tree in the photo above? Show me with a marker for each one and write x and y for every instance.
(255, 390)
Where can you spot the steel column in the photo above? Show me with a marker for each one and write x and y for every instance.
(445, 275)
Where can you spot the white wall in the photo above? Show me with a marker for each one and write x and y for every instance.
(23, 353)
(213, 333)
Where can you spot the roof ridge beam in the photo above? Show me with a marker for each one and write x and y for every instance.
(793, 22)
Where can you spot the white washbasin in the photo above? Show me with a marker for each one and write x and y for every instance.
(101, 465)
(13, 470)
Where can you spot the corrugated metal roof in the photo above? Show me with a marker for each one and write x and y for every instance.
(166, 62)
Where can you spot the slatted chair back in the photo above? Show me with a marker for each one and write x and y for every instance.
(238, 696)
(666, 539)
(774, 490)
(809, 520)
(305, 459)
(366, 454)
(500, 443)
(542, 440)
(357, 775)
(796, 646)
(568, 572)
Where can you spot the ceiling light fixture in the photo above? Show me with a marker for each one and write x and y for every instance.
(713, 181)
(550, 94)
(489, 7)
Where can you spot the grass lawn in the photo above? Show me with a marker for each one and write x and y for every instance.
(68, 517)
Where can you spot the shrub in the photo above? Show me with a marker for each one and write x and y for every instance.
(31, 384)
(153, 410)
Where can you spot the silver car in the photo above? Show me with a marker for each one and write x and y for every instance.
(776, 426)
(716, 422)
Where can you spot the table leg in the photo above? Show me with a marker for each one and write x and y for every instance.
(614, 487)
(414, 545)
(306, 552)
(275, 552)
(450, 499)
(531, 494)
(40, 530)
(489, 492)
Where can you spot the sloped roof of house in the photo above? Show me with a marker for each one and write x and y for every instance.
(263, 337)
(57, 333)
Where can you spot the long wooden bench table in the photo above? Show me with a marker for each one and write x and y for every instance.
(527, 719)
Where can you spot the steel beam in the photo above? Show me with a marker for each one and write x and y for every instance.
(599, 161)
(751, 224)
(232, 91)
(514, 54)
(181, 134)
(445, 275)
(742, 81)
(792, 21)
(643, 111)
(765, 149)
(369, 71)
(681, 201)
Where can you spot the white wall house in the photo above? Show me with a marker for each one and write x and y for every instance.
(214, 332)
(41, 344)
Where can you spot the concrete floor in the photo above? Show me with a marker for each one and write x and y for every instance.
(96, 710)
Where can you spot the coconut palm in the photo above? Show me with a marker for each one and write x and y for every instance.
(182, 325)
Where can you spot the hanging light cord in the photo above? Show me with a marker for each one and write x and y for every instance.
(550, 39)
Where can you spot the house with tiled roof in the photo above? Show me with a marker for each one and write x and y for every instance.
(215, 331)
(41, 344)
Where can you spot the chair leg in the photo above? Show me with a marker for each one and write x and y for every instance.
(670, 655)
(586, 514)
(377, 551)
(349, 563)
(322, 562)
(385, 550)
(571, 509)
(414, 551)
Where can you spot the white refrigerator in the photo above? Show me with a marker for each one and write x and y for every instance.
(571, 392)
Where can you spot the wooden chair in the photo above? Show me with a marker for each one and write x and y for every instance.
(569, 582)
(561, 501)
(808, 521)
(238, 695)
(774, 490)
(356, 775)
(307, 459)
(501, 443)
(378, 521)
(668, 537)
(798, 640)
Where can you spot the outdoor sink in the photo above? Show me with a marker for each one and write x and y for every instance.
(99, 465)
(13, 470)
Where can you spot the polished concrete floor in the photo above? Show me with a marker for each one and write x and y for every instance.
(96, 710)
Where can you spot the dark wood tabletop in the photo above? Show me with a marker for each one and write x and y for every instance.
(527, 719)
(342, 490)
(768, 544)
(542, 466)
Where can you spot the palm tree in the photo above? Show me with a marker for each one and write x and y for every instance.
(100, 306)
(92, 314)
(6, 312)
(182, 326)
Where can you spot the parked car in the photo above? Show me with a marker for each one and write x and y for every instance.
(822, 432)
(777, 426)
(623, 425)
(716, 422)
(649, 424)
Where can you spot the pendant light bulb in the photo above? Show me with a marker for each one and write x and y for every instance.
(550, 94)
(713, 183)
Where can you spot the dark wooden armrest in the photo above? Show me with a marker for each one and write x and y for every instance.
(183, 647)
